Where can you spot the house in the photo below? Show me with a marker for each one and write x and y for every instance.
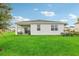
(77, 26)
(66, 29)
(69, 29)
(40, 27)
(72, 28)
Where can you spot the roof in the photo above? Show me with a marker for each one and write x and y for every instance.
(39, 22)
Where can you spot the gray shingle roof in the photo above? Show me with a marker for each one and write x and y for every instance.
(39, 22)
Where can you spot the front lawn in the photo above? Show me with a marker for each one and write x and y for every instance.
(47, 45)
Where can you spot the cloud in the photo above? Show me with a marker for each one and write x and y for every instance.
(71, 19)
(35, 9)
(48, 13)
(19, 18)
(72, 16)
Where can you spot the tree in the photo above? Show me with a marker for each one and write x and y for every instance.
(78, 19)
(5, 15)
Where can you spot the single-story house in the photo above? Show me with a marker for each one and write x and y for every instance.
(40, 27)
(69, 29)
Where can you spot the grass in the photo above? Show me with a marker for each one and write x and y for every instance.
(30, 45)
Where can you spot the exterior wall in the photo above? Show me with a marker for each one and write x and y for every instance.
(77, 27)
(46, 29)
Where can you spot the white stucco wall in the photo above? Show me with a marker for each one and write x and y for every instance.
(77, 27)
(46, 29)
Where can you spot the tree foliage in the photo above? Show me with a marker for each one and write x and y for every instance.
(78, 19)
(5, 15)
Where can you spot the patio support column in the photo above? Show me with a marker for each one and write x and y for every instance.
(16, 29)
(23, 31)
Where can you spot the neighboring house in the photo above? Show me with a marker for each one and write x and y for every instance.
(40, 27)
(77, 27)
(66, 29)
(72, 28)
(69, 28)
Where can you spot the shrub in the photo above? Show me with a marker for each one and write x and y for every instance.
(76, 33)
(20, 32)
(67, 34)
(70, 33)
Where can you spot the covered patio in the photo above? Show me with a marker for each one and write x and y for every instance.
(23, 29)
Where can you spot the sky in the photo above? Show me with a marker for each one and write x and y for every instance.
(66, 12)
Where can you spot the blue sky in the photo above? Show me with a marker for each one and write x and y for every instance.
(51, 11)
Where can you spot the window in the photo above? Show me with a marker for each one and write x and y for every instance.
(54, 27)
(38, 27)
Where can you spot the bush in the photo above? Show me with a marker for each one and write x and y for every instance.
(67, 34)
(76, 33)
(71, 33)
(20, 32)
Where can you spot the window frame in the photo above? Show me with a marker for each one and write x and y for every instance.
(38, 27)
(54, 27)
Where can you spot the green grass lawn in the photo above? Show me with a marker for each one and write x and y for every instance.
(27, 45)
